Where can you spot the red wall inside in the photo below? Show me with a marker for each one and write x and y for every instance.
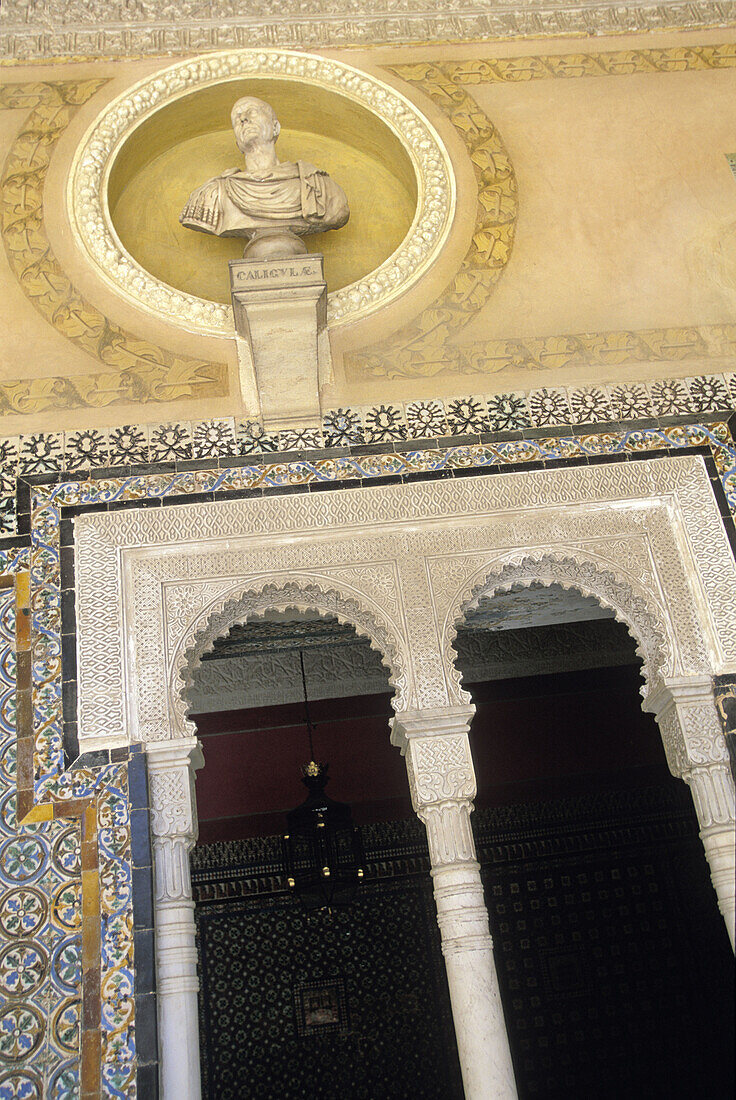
(532, 738)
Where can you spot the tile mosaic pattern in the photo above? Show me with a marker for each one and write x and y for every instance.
(58, 860)
(89, 806)
(40, 917)
(474, 414)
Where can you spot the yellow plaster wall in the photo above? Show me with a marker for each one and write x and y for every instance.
(623, 264)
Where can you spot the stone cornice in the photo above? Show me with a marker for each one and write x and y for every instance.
(94, 28)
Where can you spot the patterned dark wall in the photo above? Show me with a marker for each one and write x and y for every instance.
(348, 1005)
(613, 960)
(615, 968)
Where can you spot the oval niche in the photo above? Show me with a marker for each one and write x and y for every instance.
(190, 140)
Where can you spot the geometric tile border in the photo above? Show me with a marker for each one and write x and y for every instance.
(578, 409)
(78, 1031)
(106, 793)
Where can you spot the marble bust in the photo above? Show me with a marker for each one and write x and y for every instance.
(271, 203)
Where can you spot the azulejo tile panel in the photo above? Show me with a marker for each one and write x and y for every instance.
(69, 984)
(40, 921)
(66, 944)
(553, 407)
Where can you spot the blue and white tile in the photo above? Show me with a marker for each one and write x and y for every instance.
(128, 445)
(630, 401)
(508, 411)
(425, 419)
(252, 438)
(299, 439)
(708, 393)
(9, 447)
(86, 449)
(730, 380)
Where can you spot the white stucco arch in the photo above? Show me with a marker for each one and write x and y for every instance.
(402, 563)
(300, 592)
(576, 569)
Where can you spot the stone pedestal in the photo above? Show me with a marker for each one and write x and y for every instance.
(280, 309)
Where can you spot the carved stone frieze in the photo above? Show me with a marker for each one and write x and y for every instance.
(301, 593)
(373, 557)
(46, 28)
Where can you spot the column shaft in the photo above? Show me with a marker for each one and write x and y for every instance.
(171, 773)
(480, 1029)
(442, 784)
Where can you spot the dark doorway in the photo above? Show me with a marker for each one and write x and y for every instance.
(352, 1003)
(614, 963)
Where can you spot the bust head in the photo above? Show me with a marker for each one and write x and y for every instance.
(272, 204)
(254, 123)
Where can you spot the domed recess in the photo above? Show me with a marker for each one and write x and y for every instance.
(189, 140)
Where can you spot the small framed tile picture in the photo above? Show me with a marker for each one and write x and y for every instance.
(321, 1007)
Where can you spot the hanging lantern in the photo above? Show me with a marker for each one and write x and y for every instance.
(323, 852)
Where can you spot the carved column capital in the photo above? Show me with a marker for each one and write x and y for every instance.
(171, 768)
(441, 778)
(438, 761)
(692, 733)
(696, 751)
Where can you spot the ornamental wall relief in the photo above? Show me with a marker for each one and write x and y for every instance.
(401, 563)
(137, 369)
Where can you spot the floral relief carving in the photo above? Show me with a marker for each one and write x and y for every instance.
(182, 602)
(301, 594)
(401, 563)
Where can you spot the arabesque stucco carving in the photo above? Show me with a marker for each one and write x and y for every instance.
(401, 563)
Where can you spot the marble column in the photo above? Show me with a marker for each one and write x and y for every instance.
(171, 767)
(696, 752)
(442, 783)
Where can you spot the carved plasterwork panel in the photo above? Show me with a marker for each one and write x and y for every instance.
(47, 28)
(401, 563)
(133, 368)
(303, 592)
